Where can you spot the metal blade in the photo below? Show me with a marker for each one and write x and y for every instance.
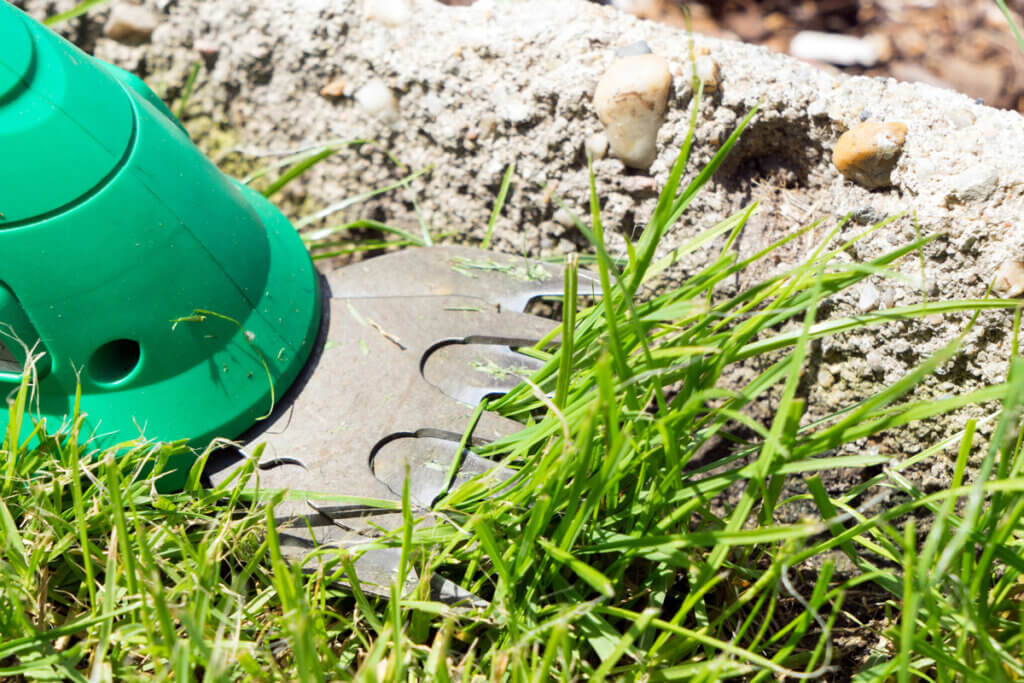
(409, 343)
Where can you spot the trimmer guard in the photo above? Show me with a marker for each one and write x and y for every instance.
(183, 302)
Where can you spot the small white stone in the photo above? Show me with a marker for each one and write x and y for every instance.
(835, 48)
(708, 73)
(630, 99)
(596, 146)
(563, 218)
(869, 298)
(875, 360)
(973, 185)
(376, 99)
(961, 118)
(432, 103)
(818, 107)
(517, 112)
(130, 23)
(640, 47)
(389, 12)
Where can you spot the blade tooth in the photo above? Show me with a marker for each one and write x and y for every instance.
(427, 461)
(376, 568)
(505, 279)
(490, 327)
(472, 372)
(517, 299)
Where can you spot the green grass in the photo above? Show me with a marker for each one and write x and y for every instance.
(620, 550)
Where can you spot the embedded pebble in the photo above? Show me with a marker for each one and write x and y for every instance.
(487, 125)
(708, 73)
(334, 88)
(868, 152)
(131, 24)
(517, 112)
(640, 47)
(640, 185)
(961, 118)
(875, 360)
(433, 104)
(376, 99)
(863, 215)
(563, 217)
(630, 100)
(973, 185)
(869, 298)
(1009, 281)
(818, 107)
(389, 12)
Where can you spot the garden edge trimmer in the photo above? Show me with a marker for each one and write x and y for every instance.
(184, 305)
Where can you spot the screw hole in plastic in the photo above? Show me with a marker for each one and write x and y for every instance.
(114, 361)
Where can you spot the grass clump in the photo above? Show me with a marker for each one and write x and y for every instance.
(619, 550)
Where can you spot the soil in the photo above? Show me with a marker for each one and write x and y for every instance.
(963, 45)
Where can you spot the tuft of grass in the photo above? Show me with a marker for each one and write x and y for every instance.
(645, 535)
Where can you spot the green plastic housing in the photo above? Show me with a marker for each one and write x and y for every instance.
(180, 300)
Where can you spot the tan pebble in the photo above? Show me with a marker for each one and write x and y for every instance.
(639, 185)
(630, 100)
(707, 72)
(389, 12)
(335, 88)
(868, 152)
(1009, 280)
(776, 21)
(131, 24)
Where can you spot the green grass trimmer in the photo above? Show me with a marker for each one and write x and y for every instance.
(186, 306)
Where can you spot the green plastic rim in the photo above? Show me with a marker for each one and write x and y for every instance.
(183, 303)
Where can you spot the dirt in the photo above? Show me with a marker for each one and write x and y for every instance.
(963, 45)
